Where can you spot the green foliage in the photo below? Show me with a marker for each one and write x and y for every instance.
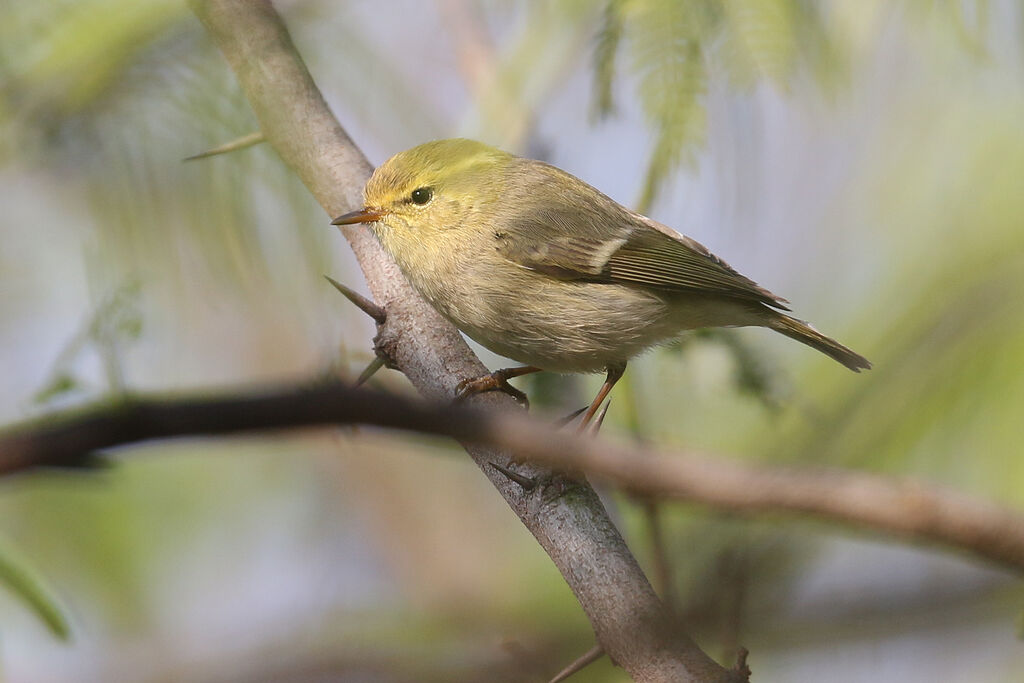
(522, 75)
(966, 22)
(666, 42)
(762, 41)
(18, 576)
(677, 48)
(947, 331)
(606, 45)
(753, 375)
(115, 323)
(113, 94)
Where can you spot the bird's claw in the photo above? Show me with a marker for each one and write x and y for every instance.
(495, 381)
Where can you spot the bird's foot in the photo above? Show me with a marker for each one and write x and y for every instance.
(496, 381)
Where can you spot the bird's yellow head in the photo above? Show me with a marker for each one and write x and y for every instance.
(436, 186)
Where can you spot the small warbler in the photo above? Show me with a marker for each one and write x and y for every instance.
(540, 267)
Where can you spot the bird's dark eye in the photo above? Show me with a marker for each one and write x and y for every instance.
(421, 195)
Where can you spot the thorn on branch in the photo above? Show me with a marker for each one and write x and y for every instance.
(586, 659)
(376, 364)
(562, 421)
(362, 303)
(741, 672)
(527, 483)
(241, 143)
(600, 418)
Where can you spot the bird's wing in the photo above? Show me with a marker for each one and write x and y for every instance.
(577, 243)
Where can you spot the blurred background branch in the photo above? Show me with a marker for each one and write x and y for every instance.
(908, 510)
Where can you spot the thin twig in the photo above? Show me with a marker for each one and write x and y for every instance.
(233, 146)
(583, 661)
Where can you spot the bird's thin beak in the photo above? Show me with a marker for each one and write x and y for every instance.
(366, 215)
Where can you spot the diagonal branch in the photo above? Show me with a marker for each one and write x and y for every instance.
(627, 616)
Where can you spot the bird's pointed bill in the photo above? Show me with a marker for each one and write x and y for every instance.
(359, 216)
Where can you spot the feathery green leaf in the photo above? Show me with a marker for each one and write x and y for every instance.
(17, 575)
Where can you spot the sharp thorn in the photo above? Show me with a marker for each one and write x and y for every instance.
(241, 143)
(562, 421)
(370, 371)
(362, 303)
(600, 417)
(584, 660)
(527, 483)
(741, 668)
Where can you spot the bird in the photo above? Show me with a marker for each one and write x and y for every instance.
(542, 268)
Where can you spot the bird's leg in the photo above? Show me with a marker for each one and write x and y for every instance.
(497, 380)
(614, 374)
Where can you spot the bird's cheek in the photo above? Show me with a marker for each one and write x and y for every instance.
(393, 234)
(381, 230)
(387, 224)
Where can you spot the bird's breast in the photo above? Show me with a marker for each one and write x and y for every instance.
(531, 317)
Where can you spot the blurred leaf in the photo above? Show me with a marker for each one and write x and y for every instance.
(665, 42)
(115, 322)
(948, 327)
(85, 48)
(762, 39)
(677, 47)
(394, 105)
(967, 21)
(822, 51)
(608, 38)
(23, 581)
(540, 58)
(754, 374)
(61, 383)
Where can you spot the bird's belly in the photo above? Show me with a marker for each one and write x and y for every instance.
(564, 326)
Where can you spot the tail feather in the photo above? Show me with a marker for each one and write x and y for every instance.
(802, 332)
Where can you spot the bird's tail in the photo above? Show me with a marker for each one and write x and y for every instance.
(802, 332)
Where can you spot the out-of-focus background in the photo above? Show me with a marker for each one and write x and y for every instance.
(865, 159)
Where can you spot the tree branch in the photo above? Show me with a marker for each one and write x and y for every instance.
(575, 531)
(905, 509)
